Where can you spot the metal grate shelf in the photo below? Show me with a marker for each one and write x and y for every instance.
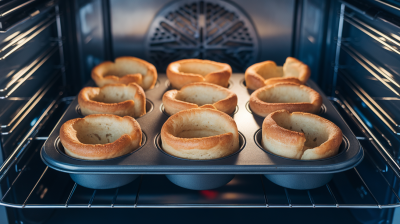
(244, 191)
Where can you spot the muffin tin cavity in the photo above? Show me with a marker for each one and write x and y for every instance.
(242, 144)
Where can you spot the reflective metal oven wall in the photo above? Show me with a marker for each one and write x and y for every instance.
(272, 20)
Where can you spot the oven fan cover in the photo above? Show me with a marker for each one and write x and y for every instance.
(213, 30)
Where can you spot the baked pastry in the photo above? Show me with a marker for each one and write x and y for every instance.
(183, 72)
(288, 96)
(200, 134)
(125, 70)
(268, 73)
(198, 94)
(300, 135)
(100, 136)
(118, 99)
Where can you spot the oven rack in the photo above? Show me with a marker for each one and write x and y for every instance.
(39, 98)
(141, 194)
(30, 135)
(365, 18)
(23, 12)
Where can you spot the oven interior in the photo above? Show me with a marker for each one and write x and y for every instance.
(47, 51)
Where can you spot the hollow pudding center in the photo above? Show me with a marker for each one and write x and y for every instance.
(199, 126)
(122, 68)
(315, 132)
(200, 95)
(285, 94)
(270, 70)
(197, 68)
(99, 131)
(113, 94)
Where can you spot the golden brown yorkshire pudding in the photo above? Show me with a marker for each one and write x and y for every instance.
(288, 96)
(100, 136)
(117, 99)
(300, 135)
(198, 94)
(125, 70)
(268, 73)
(183, 72)
(200, 134)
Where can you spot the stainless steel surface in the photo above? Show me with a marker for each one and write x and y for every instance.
(374, 182)
(21, 76)
(60, 45)
(25, 54)
(217, 31)
(310, 44)
(338, 47)
(31, 75)
(26, 15)
(369, 77)
(377, 144)
(372, 104)
(9, 126)
(13, 157)
(273, 21)
(378, 36)
(21, 41)
(15, 8)
(244, 191)
(90, 36)
(386, 80)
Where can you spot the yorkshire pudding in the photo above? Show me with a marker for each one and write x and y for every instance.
(198, 94)
(125, 70)
(288, 96)
(300, 135)
(200, 134)
(100, 136)
(183, 72)
(268, 73)
(117, 99)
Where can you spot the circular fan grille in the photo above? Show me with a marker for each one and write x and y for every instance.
(212, 30)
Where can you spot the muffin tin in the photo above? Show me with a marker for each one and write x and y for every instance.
(198, 175)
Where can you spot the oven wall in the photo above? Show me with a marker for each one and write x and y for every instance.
(273, 22)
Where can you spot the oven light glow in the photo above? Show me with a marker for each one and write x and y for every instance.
(363, 117)
(209, 194)
(33, 122)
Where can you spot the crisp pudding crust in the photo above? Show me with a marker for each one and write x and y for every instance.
(117, 99)
(183, 72)
(100, 136)
(300, 135)
(268, 73)
(199, 94)
(125, 70)
(289, 96)
(200, 134)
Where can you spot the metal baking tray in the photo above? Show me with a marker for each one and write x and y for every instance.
(251, 159)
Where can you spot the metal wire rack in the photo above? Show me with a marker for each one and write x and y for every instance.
(245, 191)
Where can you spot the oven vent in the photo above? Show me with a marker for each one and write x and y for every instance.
(214, 30)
